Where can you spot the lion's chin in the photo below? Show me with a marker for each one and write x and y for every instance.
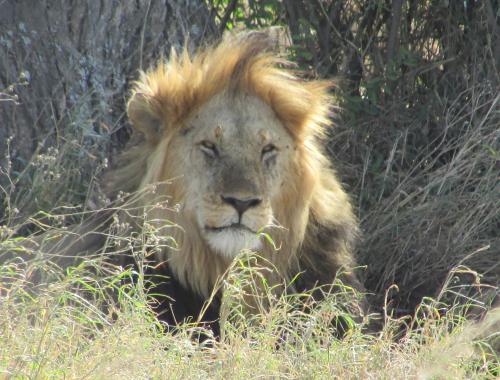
(229, 242)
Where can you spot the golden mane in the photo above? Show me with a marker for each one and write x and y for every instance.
(312, 206)
(239, 63)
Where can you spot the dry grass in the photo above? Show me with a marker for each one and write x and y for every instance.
(93, 321)
(428, 203)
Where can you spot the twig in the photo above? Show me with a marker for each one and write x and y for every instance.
(392, 40)
(229, 11)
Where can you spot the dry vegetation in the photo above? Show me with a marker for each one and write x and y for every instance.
(418, 145)
(94, 321)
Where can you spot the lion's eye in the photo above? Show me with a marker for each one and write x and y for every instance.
(269, 151)
(209, 148)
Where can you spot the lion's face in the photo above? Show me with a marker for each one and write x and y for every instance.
(236, 152)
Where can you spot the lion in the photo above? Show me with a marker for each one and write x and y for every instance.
(232, 139)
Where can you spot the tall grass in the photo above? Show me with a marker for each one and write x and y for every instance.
(94, 320)
(431, 207)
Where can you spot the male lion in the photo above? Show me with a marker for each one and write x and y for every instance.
(233, 139)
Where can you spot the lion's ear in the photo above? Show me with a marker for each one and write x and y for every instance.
(143, 115)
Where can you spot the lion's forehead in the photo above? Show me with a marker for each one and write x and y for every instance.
(238, 118)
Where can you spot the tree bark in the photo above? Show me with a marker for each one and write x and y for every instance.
(65, 66)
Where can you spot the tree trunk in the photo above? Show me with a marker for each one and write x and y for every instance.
(65, 68)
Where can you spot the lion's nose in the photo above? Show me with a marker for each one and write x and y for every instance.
(241, 205)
